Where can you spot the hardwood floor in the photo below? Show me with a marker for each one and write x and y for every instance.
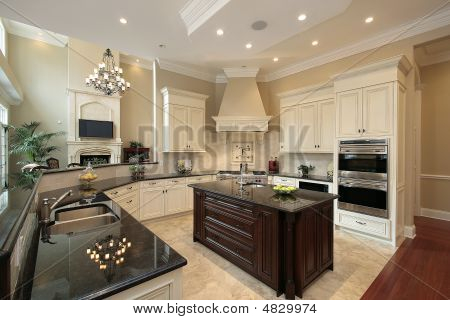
(420, 269)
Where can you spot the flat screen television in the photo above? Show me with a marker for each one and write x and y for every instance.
(95, 129)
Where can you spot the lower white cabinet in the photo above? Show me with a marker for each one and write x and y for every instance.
(371, 225)
(152, 203)
(175, 198)
(165, 287)
(190, 191)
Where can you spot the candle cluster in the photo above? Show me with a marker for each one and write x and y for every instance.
(109, 252)
(107, 78)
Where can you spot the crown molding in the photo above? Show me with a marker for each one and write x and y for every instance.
(438, 20)
(221, 78)
(183, 93)
(241, 72)
(31, 32)
(196, 12)
(326, 88)
(185, 70)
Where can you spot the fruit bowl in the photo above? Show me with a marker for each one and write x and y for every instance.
(283, 190)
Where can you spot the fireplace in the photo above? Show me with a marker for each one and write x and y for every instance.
(95, 159)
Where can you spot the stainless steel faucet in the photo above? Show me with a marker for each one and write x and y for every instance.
(46, 208)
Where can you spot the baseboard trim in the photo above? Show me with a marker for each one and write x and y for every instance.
(410, 231)
(436, 214)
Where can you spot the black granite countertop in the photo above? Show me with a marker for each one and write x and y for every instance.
(311, 177)
(64, 270)
(264, 195)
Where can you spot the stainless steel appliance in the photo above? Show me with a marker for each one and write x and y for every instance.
(250, 177)
(363, 176)
(313, 186)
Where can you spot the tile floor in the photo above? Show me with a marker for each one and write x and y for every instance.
(357, 262)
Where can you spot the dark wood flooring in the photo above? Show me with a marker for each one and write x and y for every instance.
(420, 269)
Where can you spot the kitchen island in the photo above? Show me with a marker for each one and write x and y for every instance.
(286, 241)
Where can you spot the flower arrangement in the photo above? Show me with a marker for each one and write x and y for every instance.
(137, 170)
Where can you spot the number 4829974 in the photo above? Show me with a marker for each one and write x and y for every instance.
(290, 308)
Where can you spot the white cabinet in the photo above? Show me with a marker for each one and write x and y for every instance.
(175, 199)
(307, 120)
(152, 203)
(289, 129)
(183, 121)
(365, 112)
(317, 123)
(308, 127)
(326, 121)
(190, 191)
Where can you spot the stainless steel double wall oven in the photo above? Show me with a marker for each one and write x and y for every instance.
(363, 176)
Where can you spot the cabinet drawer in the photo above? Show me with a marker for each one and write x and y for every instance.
(243, 253)
(152, 184)
(175, 181)
(235, 207)
(288, 182)
(129, 202)
(371, 225)
(199, 179)
(118, 192)
(230, 221)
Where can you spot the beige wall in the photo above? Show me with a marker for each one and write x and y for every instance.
(41, 70)
(435, 80)
(136, 107)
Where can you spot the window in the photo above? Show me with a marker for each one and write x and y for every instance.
(3, 147)
(2, 38)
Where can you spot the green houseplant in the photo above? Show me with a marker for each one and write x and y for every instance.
(32, 146)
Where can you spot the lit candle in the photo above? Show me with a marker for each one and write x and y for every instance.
(117, 261)
(119, 252)
(97, 256)
(124, 239)
(128, 84)
(123, 88)
(107, 256)
(88, 251)
(123, 250)
(111, 244)
(92, 256)
(121, 259)
(129, 244)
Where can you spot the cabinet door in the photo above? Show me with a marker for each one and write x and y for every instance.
(289, 129)
(349, 113)
(175, 199)
(326, 123)
(178, 119)
(268, 247)
(378, 110)
(325, 231)
(196, 129)
(151, 203)
(309, 240)
(307, 132)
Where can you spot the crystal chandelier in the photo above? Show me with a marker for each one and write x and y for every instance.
(108, 77)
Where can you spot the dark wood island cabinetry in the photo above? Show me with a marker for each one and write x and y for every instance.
(286, 242)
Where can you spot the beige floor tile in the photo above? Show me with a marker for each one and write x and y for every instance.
(208, 276)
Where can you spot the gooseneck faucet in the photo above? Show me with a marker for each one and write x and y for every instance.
(46, 208)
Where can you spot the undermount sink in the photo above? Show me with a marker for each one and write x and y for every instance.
(80, 219)
(68, 214)
(256, 185)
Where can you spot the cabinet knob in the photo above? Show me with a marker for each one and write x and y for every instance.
(364, 130)
(130, 201)
(359, 130)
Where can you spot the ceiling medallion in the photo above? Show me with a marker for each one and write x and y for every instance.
(108, 77)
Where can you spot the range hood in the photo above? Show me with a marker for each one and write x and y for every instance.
(241, 109)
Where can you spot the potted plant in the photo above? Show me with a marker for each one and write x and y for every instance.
(136, 144)
(304, 170)
(137, 170)
(33, 147)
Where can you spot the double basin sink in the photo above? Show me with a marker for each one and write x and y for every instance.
(82, 218)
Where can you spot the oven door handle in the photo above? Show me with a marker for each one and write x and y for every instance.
(381, 187)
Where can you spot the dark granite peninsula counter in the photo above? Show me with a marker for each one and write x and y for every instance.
(284, 241)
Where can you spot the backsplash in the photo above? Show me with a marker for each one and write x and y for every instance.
(290, 162)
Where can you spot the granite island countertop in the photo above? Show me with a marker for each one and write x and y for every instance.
(265, 196)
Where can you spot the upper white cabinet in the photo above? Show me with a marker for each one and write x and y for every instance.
(367, 111)
(307, 120)
(183, 120)
(289, 129)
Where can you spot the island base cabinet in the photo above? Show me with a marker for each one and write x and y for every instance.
(165, 287)
(286, 251)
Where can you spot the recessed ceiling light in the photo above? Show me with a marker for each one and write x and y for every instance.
(162, 46)
(219, 32)
(302, 17)
(248, 45)
(315, 43)
(123, 21)
(137, 60)
(40, 34)
(275, 59)
(369, 19)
